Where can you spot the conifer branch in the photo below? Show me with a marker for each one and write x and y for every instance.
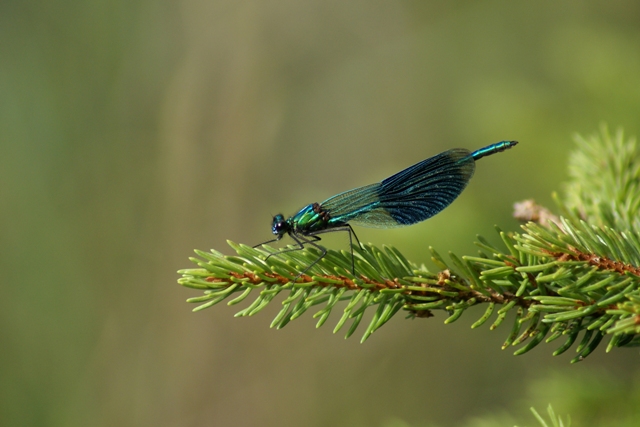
(578, 272)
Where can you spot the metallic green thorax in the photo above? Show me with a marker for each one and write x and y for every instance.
(312, 218)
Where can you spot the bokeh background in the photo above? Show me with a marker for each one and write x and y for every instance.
(135, 131)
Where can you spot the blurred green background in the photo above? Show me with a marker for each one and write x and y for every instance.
(135, 131)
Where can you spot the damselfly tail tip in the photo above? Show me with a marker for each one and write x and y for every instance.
(492, 149)
(503, 145)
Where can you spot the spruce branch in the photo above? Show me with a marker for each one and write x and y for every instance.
(567, 274)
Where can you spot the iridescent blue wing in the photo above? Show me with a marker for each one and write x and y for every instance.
(408, 197)
(424, 189)
(360, 206)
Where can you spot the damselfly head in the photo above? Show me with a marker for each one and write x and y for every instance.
(280, 226)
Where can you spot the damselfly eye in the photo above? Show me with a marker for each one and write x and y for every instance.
(279, 226)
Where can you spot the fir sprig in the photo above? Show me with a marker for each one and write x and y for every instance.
(604, 188)
(579, 272)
